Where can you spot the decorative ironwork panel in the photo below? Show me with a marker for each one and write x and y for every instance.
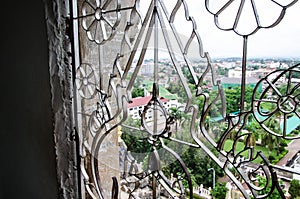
(152, 112)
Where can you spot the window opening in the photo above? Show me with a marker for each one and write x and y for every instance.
(148, 146)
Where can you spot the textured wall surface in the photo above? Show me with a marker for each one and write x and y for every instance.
(60, 67)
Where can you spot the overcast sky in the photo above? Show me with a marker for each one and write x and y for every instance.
(280, 41)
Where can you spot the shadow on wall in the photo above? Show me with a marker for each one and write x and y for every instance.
(27, 142)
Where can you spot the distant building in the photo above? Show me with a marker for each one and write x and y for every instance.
(235, 73)
(138, 104)
(147, 69)
(229, 83)
(295, 80)
(294, 163)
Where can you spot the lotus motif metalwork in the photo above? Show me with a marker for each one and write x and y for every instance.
(155, 127)
(100, 19)
(284, 103)
(246, 17)
(86, 81)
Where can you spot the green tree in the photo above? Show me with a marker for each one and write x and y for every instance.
(216, 107)
(233, 98)
(219, 191)
(294, 189)
(198, 164)
(251, 139)
(134, 140)
(255, 128)
(261, 183)
(268, 139)
(137, 92)
(178, 89)
(177, 115)
(188, 75)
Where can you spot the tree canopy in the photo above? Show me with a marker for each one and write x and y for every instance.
(294, 189)
(219, 191)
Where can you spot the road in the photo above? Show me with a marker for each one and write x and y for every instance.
(293, 148)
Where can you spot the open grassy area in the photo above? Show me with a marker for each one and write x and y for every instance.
(240, 146)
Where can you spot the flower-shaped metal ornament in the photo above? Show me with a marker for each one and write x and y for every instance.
(100, 19)
(86, 81)
(283, 103)
(246, 17)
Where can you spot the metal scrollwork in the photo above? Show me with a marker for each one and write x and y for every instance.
(246, 19)
(86, 80)
(246, 13)
(284, 103)
(100, 19)
(158, 139)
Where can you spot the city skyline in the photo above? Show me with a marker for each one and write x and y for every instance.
(275, 42)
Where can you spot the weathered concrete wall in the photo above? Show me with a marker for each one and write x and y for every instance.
(60, 67)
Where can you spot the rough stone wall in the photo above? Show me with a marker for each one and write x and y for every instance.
(60, 67)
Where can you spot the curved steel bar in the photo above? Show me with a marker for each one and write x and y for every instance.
(282, 98)
(235, 28)
(184, 48)
(183, 166)
(135, 15)
(96, 30)
(107, 124)
(102, 122)
(174, 60)
(138, 41)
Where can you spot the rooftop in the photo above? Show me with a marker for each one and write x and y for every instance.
(142, 101)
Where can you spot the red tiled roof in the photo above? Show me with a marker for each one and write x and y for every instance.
(142, 101)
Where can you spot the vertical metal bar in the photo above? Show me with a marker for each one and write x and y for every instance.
(76, 105)
(155, 82)
(285, 118)
(243, 81)
(76, 57)
(154, 186)
(155, 45)
(101, 65)
(155, 66)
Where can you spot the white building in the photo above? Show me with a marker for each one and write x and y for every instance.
(137, 106)
(237, 73)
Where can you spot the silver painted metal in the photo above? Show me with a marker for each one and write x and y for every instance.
(100, 121)
(285, 102)
(241, 10)
(244, 114)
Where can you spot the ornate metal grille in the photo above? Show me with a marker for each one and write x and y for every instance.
(113, 40)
